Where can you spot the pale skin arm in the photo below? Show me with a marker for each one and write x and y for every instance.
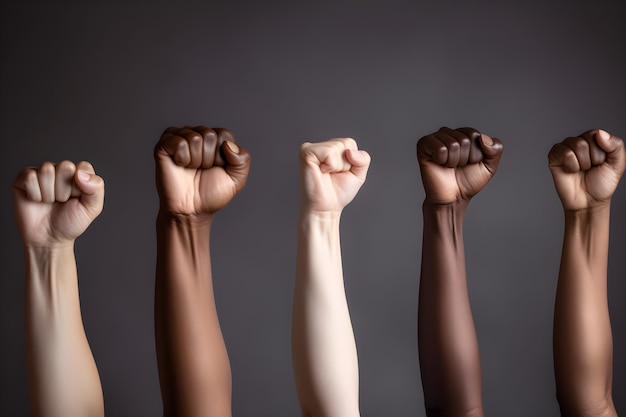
(323, 347)
(198, 171)
(54, 204)
(586, 171)
(455, 165)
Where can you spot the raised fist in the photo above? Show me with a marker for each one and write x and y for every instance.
(199, 170)
(331, 173)
(586, 169)
(54, 204)
(456, 163)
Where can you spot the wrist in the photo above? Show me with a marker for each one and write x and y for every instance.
(314, 215)
(322, 221)
(190, 221)
(589, 212)
(53, 248)
(50, 264)
(319, 219)
(586, 237)
(444, 219)
(458, 207)
(589, 217)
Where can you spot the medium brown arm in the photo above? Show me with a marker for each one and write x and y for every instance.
(193, 362)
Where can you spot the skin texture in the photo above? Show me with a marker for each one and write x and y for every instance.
(198, 171)
(586, 170)
(455, 165)
(324, 352)
(54, 204)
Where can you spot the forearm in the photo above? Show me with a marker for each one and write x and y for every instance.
(324, 350)
(448, 347)
(583, 347)
(193, 363)
(63, 378)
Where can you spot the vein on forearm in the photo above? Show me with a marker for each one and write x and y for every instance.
(586, 241)
(51, 279)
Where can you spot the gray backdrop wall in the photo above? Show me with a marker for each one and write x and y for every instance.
(101, 82)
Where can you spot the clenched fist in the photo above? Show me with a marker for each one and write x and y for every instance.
(586, 169)
(457, 163)
(331, 173)
(199, 170)
(55, 203)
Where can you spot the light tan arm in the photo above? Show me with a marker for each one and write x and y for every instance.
(63, 378)
(54, 204)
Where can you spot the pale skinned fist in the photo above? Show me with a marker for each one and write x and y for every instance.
(586, 169)
(199, 170)
(457, 163)
(55, 203)
(331, 174)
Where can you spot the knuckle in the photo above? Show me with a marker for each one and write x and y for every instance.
(66, 167)
(225, 134)
(589, 133)
(554, 151)
(30, 175)
(580, 145)
(423, 142)
(210, 134)
(181, 145)
(350, 142)
(85, 166)
(47, 167)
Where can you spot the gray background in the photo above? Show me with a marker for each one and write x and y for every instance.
(101, 82)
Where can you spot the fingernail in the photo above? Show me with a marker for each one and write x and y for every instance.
(603, 134)
(83, 175)
(232, 146)
(486, 140)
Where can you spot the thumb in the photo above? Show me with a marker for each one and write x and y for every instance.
(614, 148)
(91, 187)
(238, 162)
(359, 161)
(492, 152)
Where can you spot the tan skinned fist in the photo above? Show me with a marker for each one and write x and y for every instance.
(586, 169)
(199, 170)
